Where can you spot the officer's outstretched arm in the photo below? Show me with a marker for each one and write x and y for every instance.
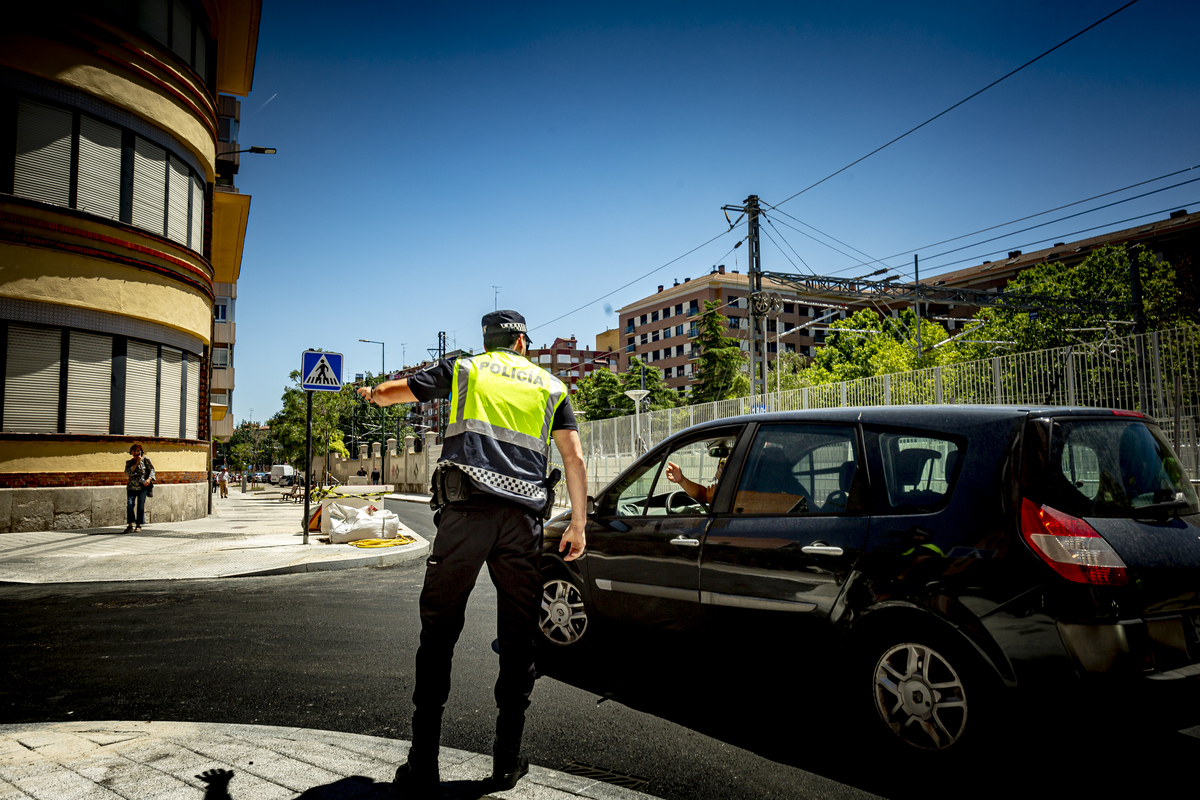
(388, 393)
(571, 451)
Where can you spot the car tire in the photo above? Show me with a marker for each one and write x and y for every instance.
(928, 693)
(562, 616)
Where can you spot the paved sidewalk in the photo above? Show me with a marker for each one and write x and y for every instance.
(255, 533)
(189, 761)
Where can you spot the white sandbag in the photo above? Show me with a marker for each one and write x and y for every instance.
(351, 524)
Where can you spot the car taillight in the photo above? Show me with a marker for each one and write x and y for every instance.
(1071, 546)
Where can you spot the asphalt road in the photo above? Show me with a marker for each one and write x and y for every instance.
(335, 651)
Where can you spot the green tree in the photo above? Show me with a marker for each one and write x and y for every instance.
(364, 423)
(866, 344)
(786, 372)
(598, 396)
(289, 426)
(1103, 275)
(247, 448)
(721, 361)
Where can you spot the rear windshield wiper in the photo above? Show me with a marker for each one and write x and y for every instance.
(1157, 510)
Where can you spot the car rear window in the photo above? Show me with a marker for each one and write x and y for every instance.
(1102, 468)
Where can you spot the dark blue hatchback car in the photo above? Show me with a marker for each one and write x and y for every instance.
(942, 554)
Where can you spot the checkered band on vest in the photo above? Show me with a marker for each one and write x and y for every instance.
(504, 482)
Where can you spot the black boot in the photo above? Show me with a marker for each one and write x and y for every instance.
(508, 765)
(418, 777)
(512, 772)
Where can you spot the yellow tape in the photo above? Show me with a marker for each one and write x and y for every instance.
(384, 542)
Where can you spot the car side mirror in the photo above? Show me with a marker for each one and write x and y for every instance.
(591, 506)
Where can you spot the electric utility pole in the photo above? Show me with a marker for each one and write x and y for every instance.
(438, 354)
(759, 303)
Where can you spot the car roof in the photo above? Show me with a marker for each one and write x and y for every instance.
(933, 417)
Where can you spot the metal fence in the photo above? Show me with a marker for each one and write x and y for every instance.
(1155, 373)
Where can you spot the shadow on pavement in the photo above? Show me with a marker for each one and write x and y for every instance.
(809, 721)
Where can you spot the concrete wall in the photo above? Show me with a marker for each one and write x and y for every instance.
(77, 507)
(408, 471)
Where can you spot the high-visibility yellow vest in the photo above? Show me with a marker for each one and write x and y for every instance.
(501, 409)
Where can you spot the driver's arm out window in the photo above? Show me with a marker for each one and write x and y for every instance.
(700, 462)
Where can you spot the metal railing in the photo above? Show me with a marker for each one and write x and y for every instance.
(1155, 373)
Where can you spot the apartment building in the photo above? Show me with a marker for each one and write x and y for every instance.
(118, 251)
(568, 363)
(661, 329)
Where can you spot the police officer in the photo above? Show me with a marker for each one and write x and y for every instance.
(491, 492)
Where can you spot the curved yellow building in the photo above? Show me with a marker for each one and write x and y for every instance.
(120, 245)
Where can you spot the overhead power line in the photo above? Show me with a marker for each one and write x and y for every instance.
(956, 105)
(632, 282)
(1004, 224)
(1072, 233)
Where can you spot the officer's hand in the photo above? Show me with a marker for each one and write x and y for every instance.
(365, 393)
(575, 538)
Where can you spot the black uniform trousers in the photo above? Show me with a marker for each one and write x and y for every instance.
(508, 539)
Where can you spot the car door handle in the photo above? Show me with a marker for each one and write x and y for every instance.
(821, 549)
(683, 541)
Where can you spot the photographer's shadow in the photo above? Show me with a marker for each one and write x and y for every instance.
(354, 787)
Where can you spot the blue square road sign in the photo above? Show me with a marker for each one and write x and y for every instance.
(321, 372)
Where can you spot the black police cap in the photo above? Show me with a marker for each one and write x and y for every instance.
(503, 321)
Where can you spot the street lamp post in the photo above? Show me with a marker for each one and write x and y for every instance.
(637, 395)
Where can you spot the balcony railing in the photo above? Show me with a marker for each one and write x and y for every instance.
(629, 348)
(629, 328)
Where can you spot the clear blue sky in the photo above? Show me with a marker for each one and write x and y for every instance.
(429, 152)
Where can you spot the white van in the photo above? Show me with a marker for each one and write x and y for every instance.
(284, 472)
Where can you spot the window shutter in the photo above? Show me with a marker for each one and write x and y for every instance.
(192, 410)
(31, 380)
(197, 240)
(43, 164)
(99, 168)
(181, 31)
(149, 185)
(170, 393)
(152, 16)
(89, 382)
(141, 386)
(177, 201)
(201, 53)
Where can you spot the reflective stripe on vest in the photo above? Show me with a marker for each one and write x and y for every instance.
(501, 410)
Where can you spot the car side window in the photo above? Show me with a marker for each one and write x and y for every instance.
(648, 491)
(917, 469)
(700, 464)
(798, 469)
(628, 498)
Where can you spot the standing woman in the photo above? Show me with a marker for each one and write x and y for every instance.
(139, 473)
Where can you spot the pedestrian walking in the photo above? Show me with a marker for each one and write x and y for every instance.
(223, 480)
(374, 476)
(139, 484)
(491, 494)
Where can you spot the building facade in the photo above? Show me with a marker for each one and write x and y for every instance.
(661, 329)
(568, 363)
(115, 245)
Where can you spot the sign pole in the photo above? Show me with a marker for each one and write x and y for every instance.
(307, 465)
(320, 371)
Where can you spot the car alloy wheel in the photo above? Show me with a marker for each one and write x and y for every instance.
(920, 696)
(563, 619)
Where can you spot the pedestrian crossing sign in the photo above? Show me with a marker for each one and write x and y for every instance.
(322, 372)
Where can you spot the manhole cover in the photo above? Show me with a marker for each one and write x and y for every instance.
(595, 773)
